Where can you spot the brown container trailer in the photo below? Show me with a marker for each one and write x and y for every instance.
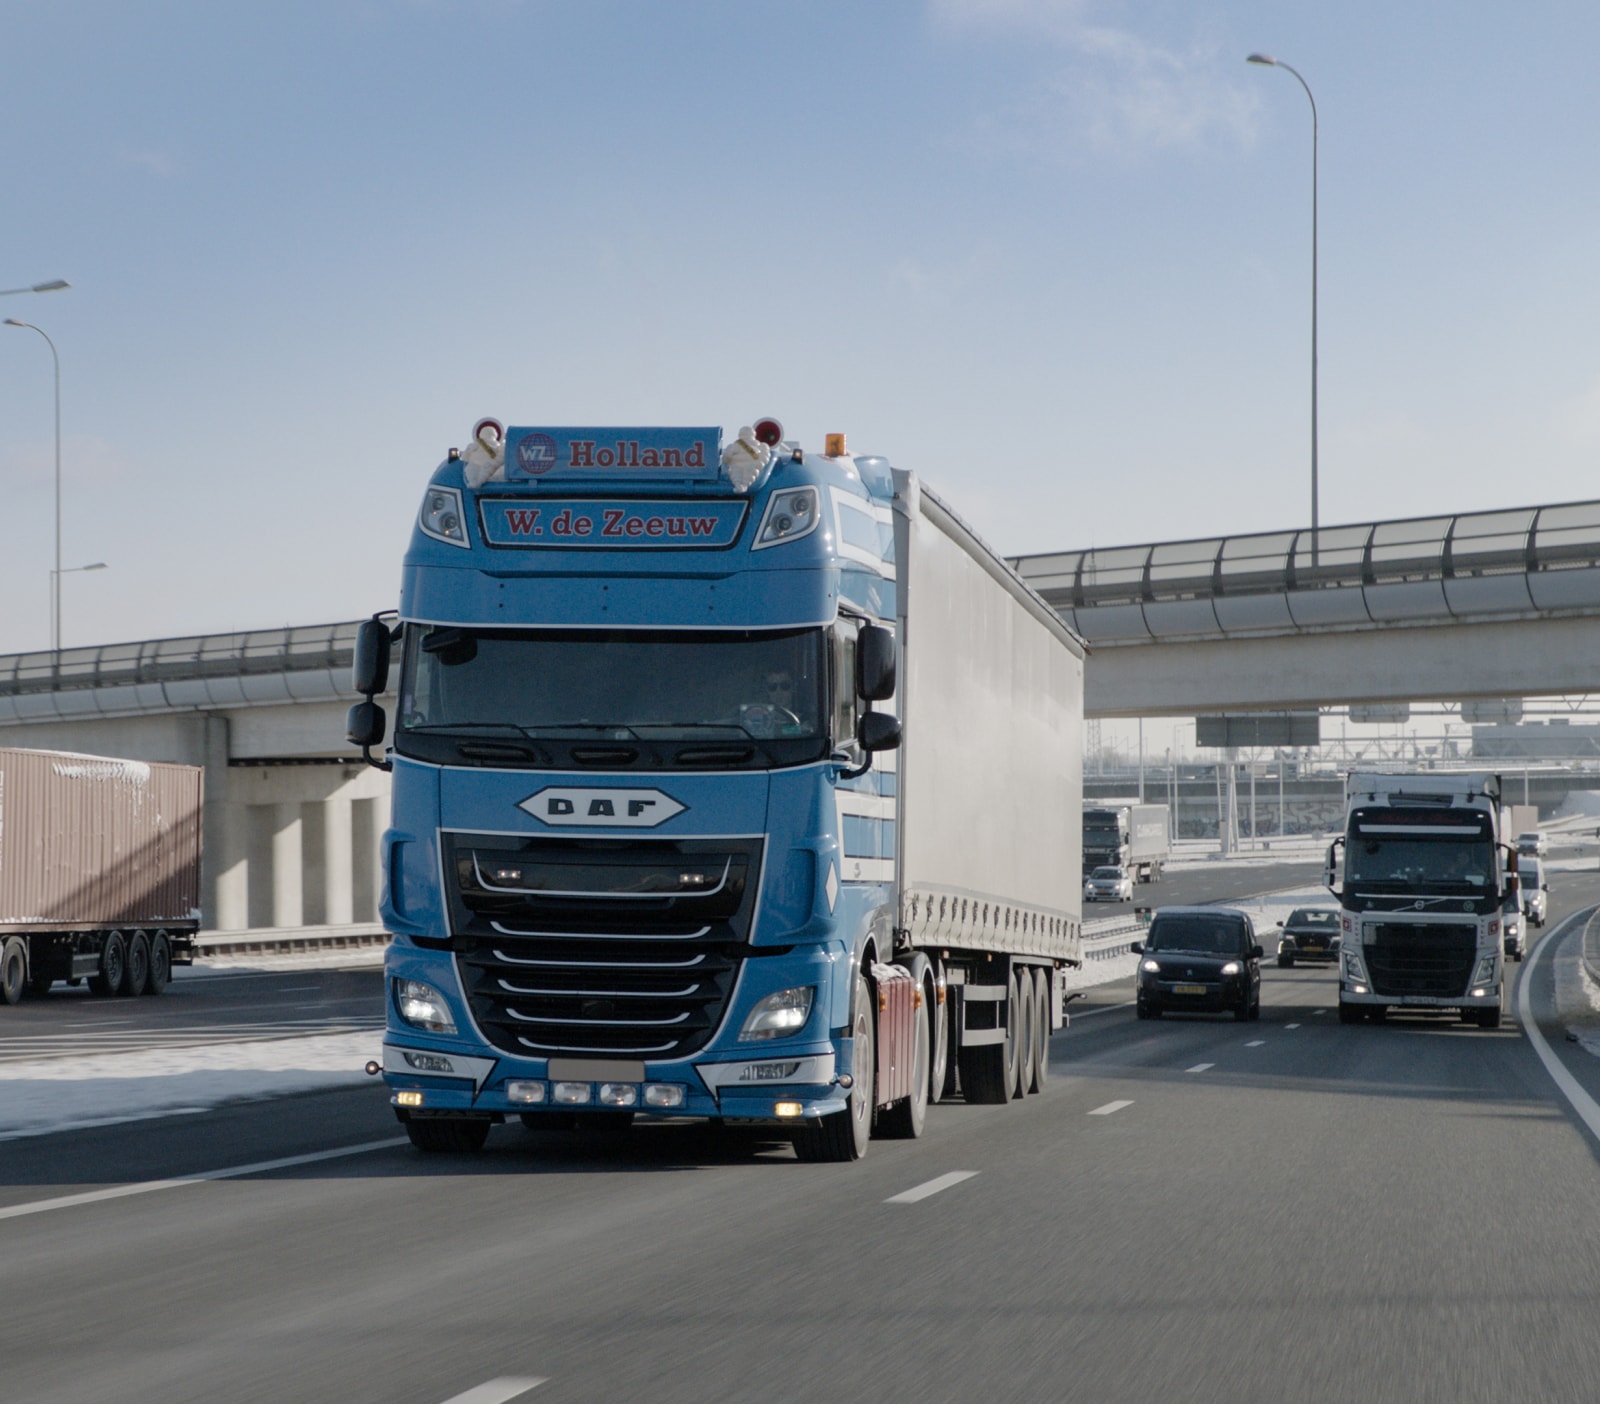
(99, 871)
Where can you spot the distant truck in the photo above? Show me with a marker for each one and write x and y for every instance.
(730, 782)
(99, 871)
(1133, 837)
(1424, 886)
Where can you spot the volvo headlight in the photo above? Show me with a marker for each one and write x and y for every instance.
(1354, 970)
(1484, 974)
(779, 1015)
(423, 1007)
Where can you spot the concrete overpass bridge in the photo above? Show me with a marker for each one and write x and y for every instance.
(1491, 604)
(1447, 608)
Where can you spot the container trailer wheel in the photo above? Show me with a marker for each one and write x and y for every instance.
(941, 1073)
(843, 1135)
(160, 964)
(1039, 1068)
(136, 971)
(989, 1071)
(13, 971)
(113, 966)
(436, 1134)
(1022, 1043)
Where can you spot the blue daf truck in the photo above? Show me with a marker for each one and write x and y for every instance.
(730, 781)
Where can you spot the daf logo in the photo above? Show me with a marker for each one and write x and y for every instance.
(627, 809)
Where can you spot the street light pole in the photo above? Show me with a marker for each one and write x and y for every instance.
(55, 575)
(1271, 62)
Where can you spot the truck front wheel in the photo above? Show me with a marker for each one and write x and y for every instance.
(844, 1134)
(1489, 1018)
(1349, 1013)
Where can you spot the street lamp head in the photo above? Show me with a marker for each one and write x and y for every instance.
(13, 322)
(54, 285)
(98, 565)
(1262, 58)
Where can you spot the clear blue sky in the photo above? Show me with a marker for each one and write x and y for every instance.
(1054, 256)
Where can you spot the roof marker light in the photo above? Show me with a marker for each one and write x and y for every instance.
(834, 445)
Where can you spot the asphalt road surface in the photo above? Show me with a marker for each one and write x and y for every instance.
(1194, 1209)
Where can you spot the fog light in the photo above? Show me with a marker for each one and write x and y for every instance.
(428, 1062)
(1479, 994)
(786, 1109)
(525, 1092)
(572, 1094)
(619, 1094)
(408, 1099)
(663, 1094)
(1358, 989)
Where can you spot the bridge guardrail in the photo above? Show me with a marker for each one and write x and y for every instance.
(1112, 936)
(285, 940)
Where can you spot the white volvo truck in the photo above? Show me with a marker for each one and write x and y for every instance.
(1424, 877)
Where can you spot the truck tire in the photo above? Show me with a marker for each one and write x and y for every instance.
(941, 1075)
(904, 1120)
(1040, 1069)
(1489, 1018)
(113, 966)
(989, 1071)
(160, 964)
(439, 1134)
(1349, 1013)
(13, 971)
(844, 1135)
(136, 970)
(1019, 1034)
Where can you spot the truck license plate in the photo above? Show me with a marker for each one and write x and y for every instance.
(1188, 989)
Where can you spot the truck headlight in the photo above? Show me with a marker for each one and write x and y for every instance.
(423, 1007)
(1354, 970)
(1484, 974)
(442, 517)
(779, 1015)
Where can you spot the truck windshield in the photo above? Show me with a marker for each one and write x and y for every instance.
(1386, 861)
(718, 690)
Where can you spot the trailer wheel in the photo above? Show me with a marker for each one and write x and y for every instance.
(13, 971)
(986, 1078)
(1040, 1068)
(160, 964)
(940, 1073)
(844, 1134)
(136, 970)
(1019, 1035)
(113, 966)
(904, 1120)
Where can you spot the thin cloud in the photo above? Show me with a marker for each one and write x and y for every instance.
(1115, 92)
(159, 163)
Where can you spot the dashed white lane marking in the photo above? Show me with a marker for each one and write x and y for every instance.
(1255, 1043)
(1200, 1067)
(1109, 1108)
(69, 1201)
(1291, 1026)
(911, 1196)
(1319, 1011)
(1090, 1013)
(498, 1391)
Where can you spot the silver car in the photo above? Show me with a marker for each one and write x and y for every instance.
(1108, 885)
(1535, 890)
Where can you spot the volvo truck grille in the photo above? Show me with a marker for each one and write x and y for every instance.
(1432, 960)
(627, 947)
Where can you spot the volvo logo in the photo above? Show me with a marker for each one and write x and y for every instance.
(586, 808)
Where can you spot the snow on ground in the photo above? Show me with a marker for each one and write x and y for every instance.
(63, 1094)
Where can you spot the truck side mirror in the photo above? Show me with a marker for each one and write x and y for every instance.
(878, 731)
(1330, 867)
(370, 672)
(875, 668)
(365, 725)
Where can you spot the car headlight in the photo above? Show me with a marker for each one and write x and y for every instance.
(1150, 967)
(779, 1015)
(423, 1007)
(1232, 968)
(1286, 944)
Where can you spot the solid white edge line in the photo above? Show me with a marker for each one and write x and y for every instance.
(497, 1391)
(1111, 1107)
(922, 1191)
(69, 1201)
(1581, 1102)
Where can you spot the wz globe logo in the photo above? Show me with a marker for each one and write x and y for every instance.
(536, 454)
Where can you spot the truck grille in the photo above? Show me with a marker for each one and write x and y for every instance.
(1423, 959)
(623, 947)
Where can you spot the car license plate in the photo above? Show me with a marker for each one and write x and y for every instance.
(1189, 989)
(1313, 947)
